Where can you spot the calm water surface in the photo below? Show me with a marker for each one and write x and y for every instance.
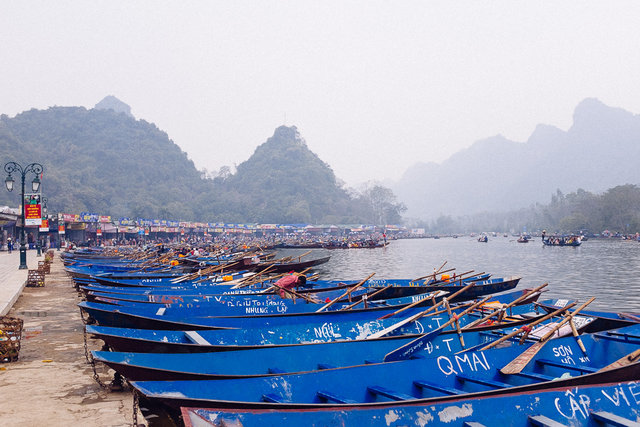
(606, 269)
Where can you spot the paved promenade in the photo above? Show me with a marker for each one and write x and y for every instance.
(51, 384)
(12, 280)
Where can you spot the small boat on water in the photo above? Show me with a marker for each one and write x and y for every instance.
(483, 239)
(562, 241)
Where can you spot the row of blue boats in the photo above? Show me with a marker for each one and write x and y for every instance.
(205, 342)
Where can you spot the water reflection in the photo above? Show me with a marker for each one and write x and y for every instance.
(606, 269)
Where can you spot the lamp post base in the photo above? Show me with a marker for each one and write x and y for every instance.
(23, 258)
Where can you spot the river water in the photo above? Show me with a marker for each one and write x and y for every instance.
(607, 269)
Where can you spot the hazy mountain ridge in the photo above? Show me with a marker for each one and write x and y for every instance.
(496, 174)
(101, 161)
(105, 161)
(284, 181)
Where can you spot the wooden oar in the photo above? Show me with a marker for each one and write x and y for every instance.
(518, 364)
(409, 319)
(440, 281)
(456, 323)
(330, 303)
(365, 297)
(304, 254)
(406, 351)
(272, 287)
(434, 274)
(471, 278)
(413, 304)
(630, 316)
(576, 335)
(252, 279)
(528, 327)
(299, 295)
(630, 358)
(441, 267)
(511, 304)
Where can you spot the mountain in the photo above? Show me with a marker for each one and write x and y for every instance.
(104, 161)
(110, 102)
(496, 174)
(284, 181)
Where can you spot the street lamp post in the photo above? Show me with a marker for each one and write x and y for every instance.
(43, 201)
(36, 169)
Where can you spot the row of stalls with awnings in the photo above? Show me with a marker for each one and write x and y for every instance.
(88, 227)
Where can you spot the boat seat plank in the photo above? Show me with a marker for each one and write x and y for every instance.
(196, 338)
(533, 376)
(612, 419)
(619, 334)
(558, 364)
(616, 336)
(541, 420)
(273, 398)
(389, 393)
(441, 389)
(488, 383)
(332, 397)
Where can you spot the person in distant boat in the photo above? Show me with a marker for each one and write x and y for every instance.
(289, 282)
(544, 232)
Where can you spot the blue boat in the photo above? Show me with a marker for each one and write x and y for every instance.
(409, 326)
(268, 309)
(144, 317)
(585, 406)
(559, 363)
(320, 290)
(262, 360)
(201, 290)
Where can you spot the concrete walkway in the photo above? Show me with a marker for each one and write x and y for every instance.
(12, 280)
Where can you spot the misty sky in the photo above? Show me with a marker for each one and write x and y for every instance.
(373, 86)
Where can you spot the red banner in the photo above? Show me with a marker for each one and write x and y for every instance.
(32, 214)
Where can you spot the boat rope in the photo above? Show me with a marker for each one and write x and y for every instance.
(92, 362)
(136, 406)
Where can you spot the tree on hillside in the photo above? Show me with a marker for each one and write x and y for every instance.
(383, 205)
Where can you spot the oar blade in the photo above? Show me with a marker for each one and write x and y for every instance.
(518, 364)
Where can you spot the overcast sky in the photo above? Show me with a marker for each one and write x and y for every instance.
(373, 86)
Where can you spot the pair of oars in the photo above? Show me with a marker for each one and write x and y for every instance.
(406, 351)
(518, 364)
(415, 316)
(504, 307)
